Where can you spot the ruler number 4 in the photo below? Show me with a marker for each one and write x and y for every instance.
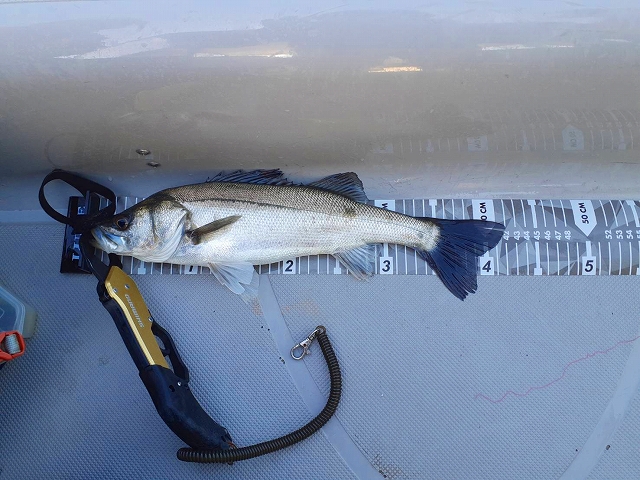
(487, 266)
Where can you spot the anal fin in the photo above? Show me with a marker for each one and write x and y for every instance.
(360, 261)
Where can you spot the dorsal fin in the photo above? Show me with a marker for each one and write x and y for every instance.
(347, 184)
(261, 177)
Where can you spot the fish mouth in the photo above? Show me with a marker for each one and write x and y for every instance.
(105, 241)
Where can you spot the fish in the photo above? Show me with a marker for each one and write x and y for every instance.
(245, 218)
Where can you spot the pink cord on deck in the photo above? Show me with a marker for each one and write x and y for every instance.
(564, 373)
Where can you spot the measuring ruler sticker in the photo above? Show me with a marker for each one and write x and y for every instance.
(142, 268)
(542, 237)
(303, 264)
(386, 262)
(485, 210)
(532, 130)
(409, 266)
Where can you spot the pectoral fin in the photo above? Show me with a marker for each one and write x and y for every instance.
(200, 233)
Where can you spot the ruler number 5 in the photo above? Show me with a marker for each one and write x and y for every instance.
(588, 265)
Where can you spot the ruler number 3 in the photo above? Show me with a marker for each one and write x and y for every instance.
(386, 265)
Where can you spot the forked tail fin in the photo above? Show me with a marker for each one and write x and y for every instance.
(460, 243)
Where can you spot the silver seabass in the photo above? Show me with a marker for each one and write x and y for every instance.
(244, 219)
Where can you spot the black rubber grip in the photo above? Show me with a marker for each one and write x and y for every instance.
(182, 413)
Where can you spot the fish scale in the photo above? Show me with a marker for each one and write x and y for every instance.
(276, 224)
(295, 197)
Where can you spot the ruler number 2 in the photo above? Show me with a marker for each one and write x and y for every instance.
(289, 267)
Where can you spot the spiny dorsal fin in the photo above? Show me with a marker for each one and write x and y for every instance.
(260, 177)
(197, 235)
(347, 184)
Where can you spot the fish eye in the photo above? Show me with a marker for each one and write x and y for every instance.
(122, 223)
